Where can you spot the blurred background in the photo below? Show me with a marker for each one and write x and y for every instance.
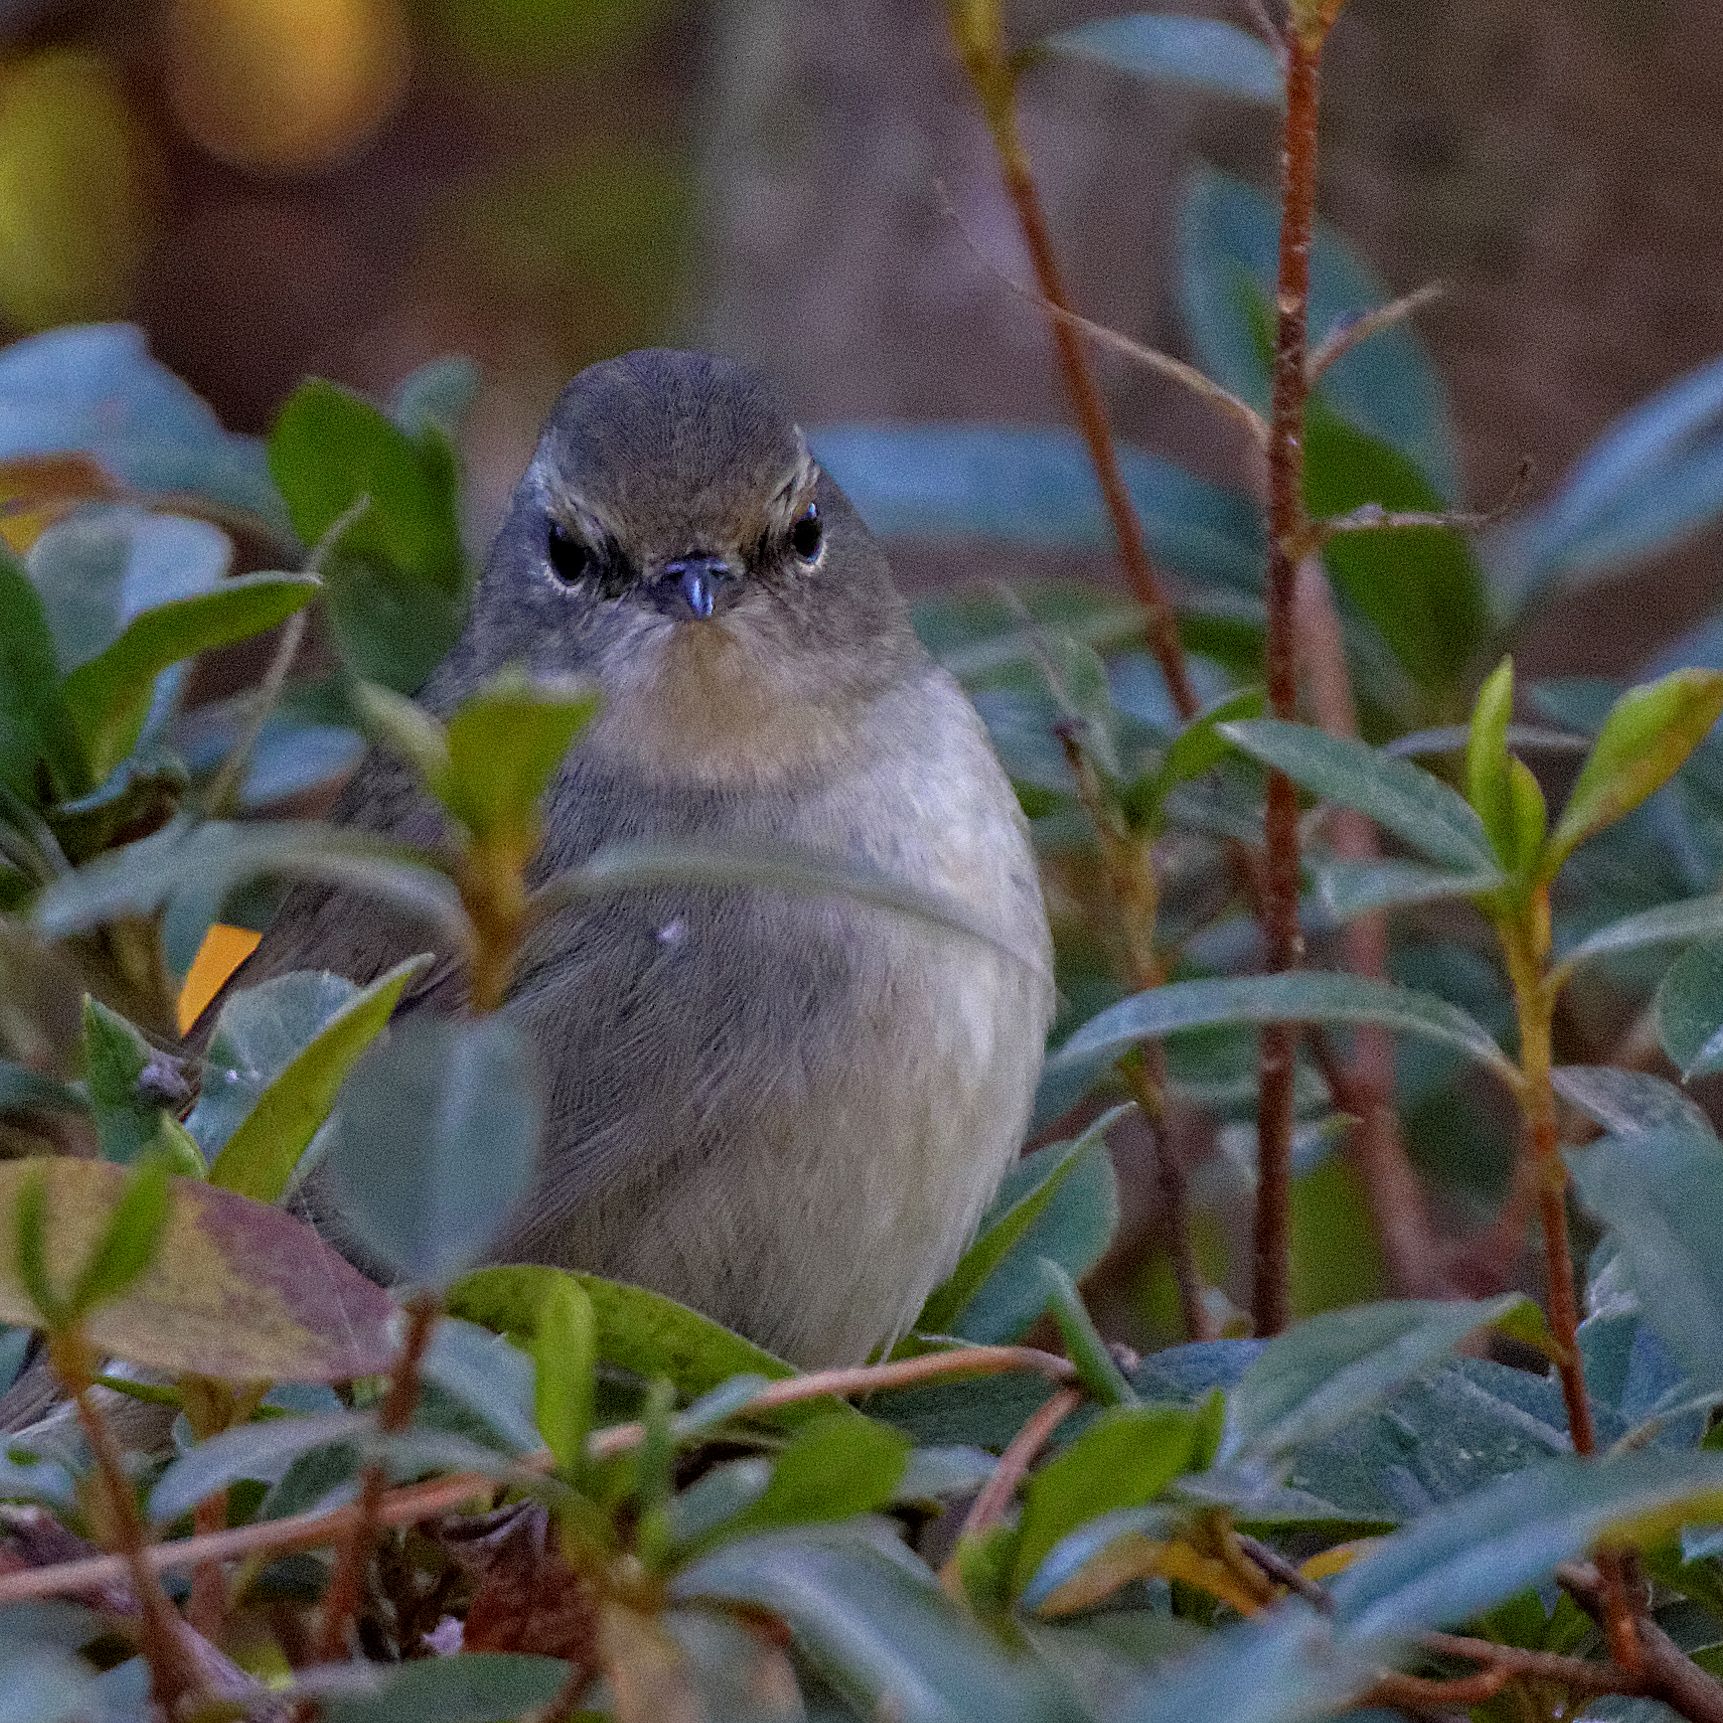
(349, 187)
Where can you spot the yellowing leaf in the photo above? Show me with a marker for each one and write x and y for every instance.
(224, 948)
(1325, 1564)
(1649, 732)
(236, 1290)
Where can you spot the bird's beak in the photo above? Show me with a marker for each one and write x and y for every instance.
(695, 586)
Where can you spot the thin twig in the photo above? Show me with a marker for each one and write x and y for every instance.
(1526, 951)
(993, 74)
(174, 1679)
(1373, 517)
(229, 780)
(1670, 1674)
(1354, 331)
(1574, 1673)
(341, 1600)
(1287, 527)
(1175, 370)
(416, 1503)
(994, 1497)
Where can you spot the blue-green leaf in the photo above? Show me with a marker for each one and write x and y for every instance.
(1413, 804)
(277, 1059)
(1035, 486)
(1300, 997)
(95, 390)
(1204, 53)
(1652, 478)
(434, 1143)
(1229, 243)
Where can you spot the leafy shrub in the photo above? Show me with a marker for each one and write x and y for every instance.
(1229, 1528)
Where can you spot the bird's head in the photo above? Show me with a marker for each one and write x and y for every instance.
(675, 539)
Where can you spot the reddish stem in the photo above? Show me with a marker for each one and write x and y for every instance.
(341, 1601)
(1287, 525)
(995, 83)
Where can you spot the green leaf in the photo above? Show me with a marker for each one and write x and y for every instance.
(835, 1466)
(488, 1378)
(397, 575)
(141, 878)
(437, 396)
(636, 1330)
(46, 1308)
(100, 569)
(1284, 1667)
(1627, 1102)
(1462, 1559)
(434, 1143)
(505, 744)
(127, 1248)
(26, 1091)
(1420, 587)
(1652, 478)
(109, 696)
(1411, 803)
(1689, 1010)
(1351, 889)
(878, 1628)
(1125, 1458)
(33, 722)
(1096, 1368)
(1229, 244)
(1197, 749)
(116, 1057)
(1660, 1192)
(1332, 1368)
(404, 727)
(1202, 53)
(1035, 486)
(237, 1290)
(1667, 924)
(564, 1355)
(262, 1452)
(1304, 996)
(95, 390)
(471, 1687)
(276, 1061)
(1487, 759)
(626, 866)
(1010, 1224)
(1649, 732)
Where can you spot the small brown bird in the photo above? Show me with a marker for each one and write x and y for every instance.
(785, 1110)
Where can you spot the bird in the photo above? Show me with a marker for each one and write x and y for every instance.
(787, 1111)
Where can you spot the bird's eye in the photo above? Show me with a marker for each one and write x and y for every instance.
(569, 557)
(808, 535)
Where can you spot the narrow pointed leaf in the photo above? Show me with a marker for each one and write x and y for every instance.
(1203, 53)
(1677, 923)
(878, 1628)
(1299, 997)
(1319, 1376)
(269, 1085)
(1006, 1227)
(1649, 732)
(1352, 889)
(1402, 798)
